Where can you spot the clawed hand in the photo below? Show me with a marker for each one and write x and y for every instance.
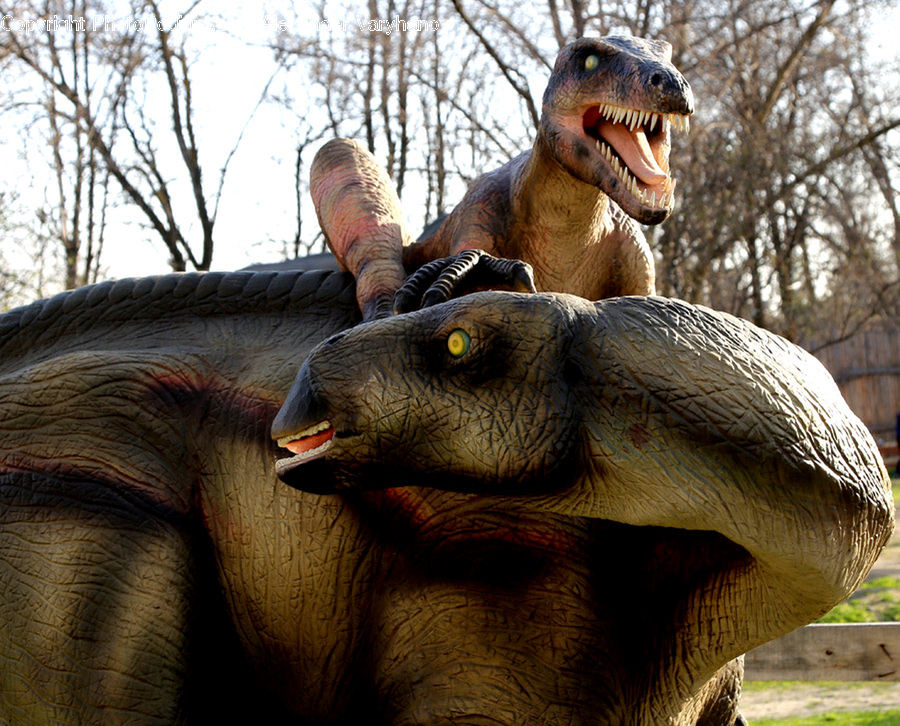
(470, 270)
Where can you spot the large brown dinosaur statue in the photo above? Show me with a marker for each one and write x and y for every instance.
(568, 207)
(154, 571)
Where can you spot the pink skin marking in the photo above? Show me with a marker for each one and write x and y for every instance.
(407, 509)
(359, 212)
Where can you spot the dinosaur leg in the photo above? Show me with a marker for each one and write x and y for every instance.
(359, 212)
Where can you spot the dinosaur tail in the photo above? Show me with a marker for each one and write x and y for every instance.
(359, 213)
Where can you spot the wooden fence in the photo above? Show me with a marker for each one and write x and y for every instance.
(846, 652)
(867, 370)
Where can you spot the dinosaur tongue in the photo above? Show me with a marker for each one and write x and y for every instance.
(309, 443)
(632, 146)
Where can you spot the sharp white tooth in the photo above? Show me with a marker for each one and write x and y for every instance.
(653, 119)
(619, 114)
(628, 114)
(642, 118)
(687, 125)
(597, 144)
(653, 199)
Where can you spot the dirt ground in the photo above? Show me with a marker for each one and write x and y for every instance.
(781, 700)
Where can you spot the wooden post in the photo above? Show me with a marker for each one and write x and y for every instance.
(846, 652)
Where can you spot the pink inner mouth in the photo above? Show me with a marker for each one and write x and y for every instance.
(632, 145)
(309, 443)
(635, 151)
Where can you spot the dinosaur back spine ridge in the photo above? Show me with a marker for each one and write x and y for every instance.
(197, 294)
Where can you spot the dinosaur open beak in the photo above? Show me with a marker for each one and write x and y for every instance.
(306, 445)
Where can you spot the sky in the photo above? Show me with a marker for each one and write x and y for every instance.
(231, 65)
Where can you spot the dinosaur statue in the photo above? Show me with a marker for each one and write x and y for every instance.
(153, 570)
(748, 498)
(568, 207)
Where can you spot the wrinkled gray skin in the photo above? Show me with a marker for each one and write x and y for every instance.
(154, 571)
(747, 498)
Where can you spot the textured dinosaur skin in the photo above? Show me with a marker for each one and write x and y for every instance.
(748, 495)
(568, 206)
(153, 570)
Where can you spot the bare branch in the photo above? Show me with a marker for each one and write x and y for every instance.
(507, 72)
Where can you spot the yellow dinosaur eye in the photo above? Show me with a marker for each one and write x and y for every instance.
(458, 343)
(591, 62)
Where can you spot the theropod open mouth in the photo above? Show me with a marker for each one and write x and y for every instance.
(635, 145)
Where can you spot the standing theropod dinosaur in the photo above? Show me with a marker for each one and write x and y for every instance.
(569, 207)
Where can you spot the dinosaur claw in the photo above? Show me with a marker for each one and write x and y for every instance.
(470, 270)
(523, 279)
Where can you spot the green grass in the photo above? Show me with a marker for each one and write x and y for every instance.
(876, 601)
(856, 718)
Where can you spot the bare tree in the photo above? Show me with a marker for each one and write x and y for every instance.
(97, 88)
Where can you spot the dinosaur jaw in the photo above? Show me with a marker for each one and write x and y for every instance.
(628, 155)
(634, 144)
(308, 445)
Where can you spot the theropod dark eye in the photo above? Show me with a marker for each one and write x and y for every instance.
(458, 343)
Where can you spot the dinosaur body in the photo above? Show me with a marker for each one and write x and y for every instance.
(569, 207)
(725, 454)
(154, 571)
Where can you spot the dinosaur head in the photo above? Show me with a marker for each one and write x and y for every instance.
(449, 390)
(608, 112)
